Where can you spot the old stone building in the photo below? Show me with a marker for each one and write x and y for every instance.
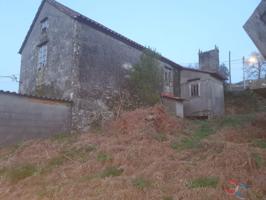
(256, 27)
(67, 55)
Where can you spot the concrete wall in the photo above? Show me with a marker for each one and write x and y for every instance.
(59, 77)
(23, 118)
(256, 27)
(211, 99)
(174, 107)
(209, 60)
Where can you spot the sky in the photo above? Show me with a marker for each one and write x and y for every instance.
(177, 29)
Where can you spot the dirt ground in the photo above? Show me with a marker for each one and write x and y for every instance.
(145, 154)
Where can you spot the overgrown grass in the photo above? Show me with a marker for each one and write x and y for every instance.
(103, 157)
(160, 137)
(204, 182)
(17, 173)
(205, 129)
(64, 137)
(234, 120)
(141, 183)
(80, 154)
(261, 143)
(111, 172)
(260, 162)
(168, 198)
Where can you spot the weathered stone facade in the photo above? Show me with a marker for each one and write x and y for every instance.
(86, 62)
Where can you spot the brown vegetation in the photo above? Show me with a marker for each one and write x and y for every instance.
(145, 154)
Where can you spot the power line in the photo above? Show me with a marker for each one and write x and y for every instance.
(13, 77)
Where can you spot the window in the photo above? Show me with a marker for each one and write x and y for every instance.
(42, 55)
(194, 90)
(44, 25)
(167, 76)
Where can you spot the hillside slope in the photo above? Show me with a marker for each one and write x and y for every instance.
(145, 154)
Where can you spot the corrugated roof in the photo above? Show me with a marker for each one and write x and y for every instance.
(35, 96)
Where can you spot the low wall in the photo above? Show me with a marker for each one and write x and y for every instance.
(24, 117)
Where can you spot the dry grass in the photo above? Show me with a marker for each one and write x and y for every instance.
(133, 159)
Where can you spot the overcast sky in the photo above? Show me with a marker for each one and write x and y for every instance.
(177, 29)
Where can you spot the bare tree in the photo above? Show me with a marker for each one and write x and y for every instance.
(256, 66)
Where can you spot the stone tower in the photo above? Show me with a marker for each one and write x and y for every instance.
(209, 60)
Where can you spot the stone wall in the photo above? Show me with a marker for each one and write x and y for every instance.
(58, 78)
(23, 118)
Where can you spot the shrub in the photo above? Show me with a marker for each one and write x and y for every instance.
(146, 79)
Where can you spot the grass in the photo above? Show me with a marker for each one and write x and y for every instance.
(203, 182)
(260, 162)
(102, 157)
(141, 183)
(168, 198)
(160, 137)
(111, 172)
(80, 154)
(15, 174)
(235, 120)
(260, 143)
(64, 137)
(205, 129)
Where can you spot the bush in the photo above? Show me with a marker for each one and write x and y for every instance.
(146, 79)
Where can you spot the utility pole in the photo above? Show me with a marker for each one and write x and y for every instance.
(230, 80)
(244, 77)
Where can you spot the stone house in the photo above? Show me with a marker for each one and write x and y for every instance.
(67, 55)
(256, 27)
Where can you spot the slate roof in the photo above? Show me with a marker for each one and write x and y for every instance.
(83, 19)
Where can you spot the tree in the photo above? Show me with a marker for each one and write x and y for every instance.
(224, 71)
(146, 78)
(256, 66)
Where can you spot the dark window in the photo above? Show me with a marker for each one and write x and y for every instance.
(194, 90)
(44, 25)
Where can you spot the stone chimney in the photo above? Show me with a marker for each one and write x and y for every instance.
(209, 60)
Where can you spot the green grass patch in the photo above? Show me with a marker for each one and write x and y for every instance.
(64, 138)
(260, 162)
(261, 143)
(141, 183)
(160, 137)
(168, 198)
(15, 174)
(204, 182)
(103, 157)
(111, 172)
(194, 141)
(80, 154)
(235, 120)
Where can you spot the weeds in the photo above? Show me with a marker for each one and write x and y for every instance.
(79, 154)
(111, 172)
(15, 174)
(64, 137)
(168, 198)
(260, 143)
(141, 183)
(103, 157)
(260, 162)
(204, 182)
(160, 137)
(193, 141)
